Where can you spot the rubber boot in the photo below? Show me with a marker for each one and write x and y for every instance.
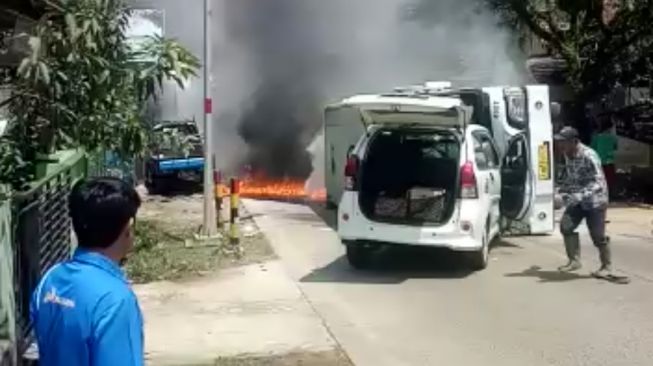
(605, 255)
(572, 246)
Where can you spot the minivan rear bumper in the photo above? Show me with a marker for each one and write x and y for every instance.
(353, 226)
(458, 244)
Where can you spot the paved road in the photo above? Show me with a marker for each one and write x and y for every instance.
(420, 308)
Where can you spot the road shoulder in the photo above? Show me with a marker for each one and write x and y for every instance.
(250, 310)
(222, 310)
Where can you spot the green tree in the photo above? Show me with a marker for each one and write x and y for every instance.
(82, 85)
(603, 43)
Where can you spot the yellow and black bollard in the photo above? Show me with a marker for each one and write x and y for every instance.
(234, 235)
(219, 195)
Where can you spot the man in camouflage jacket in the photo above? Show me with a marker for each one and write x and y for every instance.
(585, 192)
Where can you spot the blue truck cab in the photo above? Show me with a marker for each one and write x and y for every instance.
(176, 154)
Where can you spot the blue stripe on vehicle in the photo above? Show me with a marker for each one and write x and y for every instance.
(181, 164)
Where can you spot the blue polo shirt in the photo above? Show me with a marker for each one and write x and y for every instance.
(85, 314)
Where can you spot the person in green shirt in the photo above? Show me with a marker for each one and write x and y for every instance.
(605, 143)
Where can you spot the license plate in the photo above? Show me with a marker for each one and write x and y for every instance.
(544, 163)
(189, 176)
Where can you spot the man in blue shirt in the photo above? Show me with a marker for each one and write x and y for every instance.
(84, 311)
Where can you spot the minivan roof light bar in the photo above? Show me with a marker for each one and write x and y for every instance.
(406, 95)
(430, 88)
(409, 89)
(438, 85)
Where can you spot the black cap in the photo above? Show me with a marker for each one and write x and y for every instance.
(566, 134)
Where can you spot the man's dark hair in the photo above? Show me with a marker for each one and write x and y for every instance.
(100, 209)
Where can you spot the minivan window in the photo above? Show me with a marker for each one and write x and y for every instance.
(493, 155)
(443, 150)
(484, 146)
(480, 155)
(430, 145)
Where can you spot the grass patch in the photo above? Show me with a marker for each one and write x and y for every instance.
(161, 253)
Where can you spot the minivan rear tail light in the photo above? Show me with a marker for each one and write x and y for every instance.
(351, 172)
(468, 186)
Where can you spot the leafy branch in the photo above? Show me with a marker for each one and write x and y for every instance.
(603, 47)
(83, 85)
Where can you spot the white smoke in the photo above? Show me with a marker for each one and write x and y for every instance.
(354, 46)
(317, 153)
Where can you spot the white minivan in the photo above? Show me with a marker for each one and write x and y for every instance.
(427, 170)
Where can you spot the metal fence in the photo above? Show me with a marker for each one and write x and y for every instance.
(110, 164)
(43, 236)
(35, 234)
(7, 303)
(40, 235)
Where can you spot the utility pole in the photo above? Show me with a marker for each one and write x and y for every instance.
(209, 226)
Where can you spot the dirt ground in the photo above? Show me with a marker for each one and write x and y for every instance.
(227, 307)
(166, 248)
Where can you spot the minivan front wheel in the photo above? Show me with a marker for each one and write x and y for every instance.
(359, 255)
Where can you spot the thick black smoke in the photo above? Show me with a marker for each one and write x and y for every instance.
(282, 114)
(279, 62)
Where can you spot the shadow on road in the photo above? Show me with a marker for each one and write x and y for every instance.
(504, 243)
(395, 265)
(178, 188)
(392, 264)
(328, 216)
(303, 218)
(546, 276)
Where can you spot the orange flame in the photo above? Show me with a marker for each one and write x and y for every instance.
(276, 189)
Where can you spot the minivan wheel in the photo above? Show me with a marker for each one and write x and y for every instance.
(359, 255)
(478, 260)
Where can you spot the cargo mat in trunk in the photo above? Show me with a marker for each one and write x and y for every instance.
(419, 204)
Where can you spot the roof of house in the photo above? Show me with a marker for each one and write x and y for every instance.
(547, 69)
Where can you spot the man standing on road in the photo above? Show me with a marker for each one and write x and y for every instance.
(585, 193)
(84, 311)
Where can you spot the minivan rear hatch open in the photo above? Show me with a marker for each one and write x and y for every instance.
(409, 176)
(410, 111)
(409, 165)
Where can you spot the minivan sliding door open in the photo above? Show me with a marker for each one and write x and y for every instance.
(516, 179)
